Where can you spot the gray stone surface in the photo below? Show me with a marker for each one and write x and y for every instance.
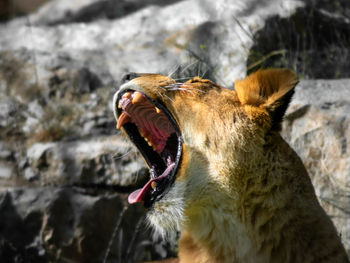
(154, 38)
(54, 225)
(107, 160)
(5, 171)
(317, 126)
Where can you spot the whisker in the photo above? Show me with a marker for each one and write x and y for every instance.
(181, 89)
(189, 65)
(173, 86)
(116, 157)
(199, 68)
(197, 89)
(173, 72)
(178, 86)
(160, 94)
(168, 98)
(184, 78)
(205, 72)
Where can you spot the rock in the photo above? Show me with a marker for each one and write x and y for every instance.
(150, 42)
(7, 109)
(5, 153)
(35, 109)
(36, 153)
(17, 232)
(30, 125)
(312, 41)
(87, 81)
(33, 114)
(58, 10)
(72, 224)
(29, 174)
(88, 126)
(317, 126)
(105, 160)
(5, 171)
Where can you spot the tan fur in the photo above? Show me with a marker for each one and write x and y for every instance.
(246, 196)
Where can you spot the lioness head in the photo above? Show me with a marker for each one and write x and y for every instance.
(197, 137)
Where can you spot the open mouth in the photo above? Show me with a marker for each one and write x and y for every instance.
(154, 131)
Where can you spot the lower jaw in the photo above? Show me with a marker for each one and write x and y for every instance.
(167, 215)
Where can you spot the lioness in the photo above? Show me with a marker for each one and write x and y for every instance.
(220, 171)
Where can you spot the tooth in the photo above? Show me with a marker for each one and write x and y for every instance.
(153, 185)
(158, 110)
(124, 118)
(127, 95)
(149, 140)
(142, 132)
(138, 98)
(145, 134)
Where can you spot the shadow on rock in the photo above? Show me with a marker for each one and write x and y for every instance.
(108, 9)
(18, 235)
(315, 43)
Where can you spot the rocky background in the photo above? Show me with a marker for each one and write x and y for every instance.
(65, 171)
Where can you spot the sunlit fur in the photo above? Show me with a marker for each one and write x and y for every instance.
(241, 193)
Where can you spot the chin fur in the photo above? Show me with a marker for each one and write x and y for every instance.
(167, 215)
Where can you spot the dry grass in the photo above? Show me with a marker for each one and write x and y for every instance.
(315, 44)
(53, 133)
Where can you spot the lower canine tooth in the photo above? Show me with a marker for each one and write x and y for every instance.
(158, 110)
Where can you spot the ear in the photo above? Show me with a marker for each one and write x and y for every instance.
(271, 89)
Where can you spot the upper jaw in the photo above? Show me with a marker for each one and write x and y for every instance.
(123, 88)
(165, 158)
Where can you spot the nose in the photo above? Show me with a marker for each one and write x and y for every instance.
(129, 76)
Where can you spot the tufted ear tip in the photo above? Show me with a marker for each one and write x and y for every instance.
(271, 89)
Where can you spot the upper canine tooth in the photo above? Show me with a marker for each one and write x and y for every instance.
(158, 110)
(123, 118)
(138, 98)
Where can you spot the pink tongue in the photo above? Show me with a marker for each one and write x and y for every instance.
(139, 194)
